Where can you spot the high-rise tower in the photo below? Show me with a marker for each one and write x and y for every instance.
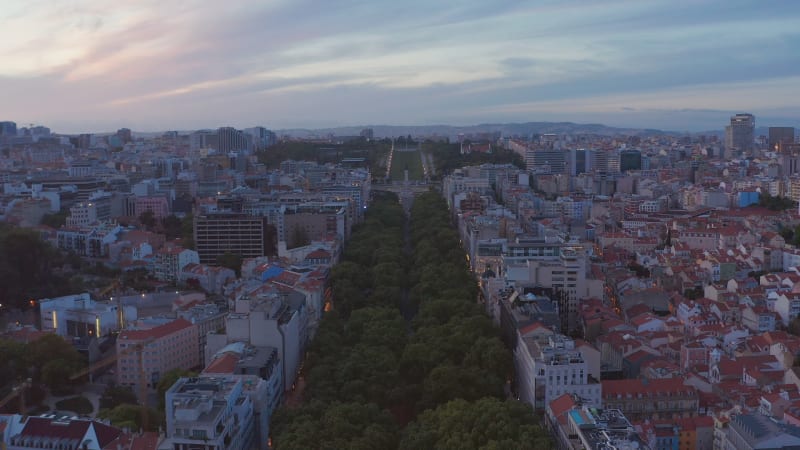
(739, 135)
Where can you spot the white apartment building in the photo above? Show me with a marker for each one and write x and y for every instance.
(551, 368)
(269, 318)
(211, 413)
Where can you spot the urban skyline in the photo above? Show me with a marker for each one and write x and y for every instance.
(152, 66)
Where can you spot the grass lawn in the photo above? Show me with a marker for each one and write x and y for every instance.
(409, 158)
(79, 404)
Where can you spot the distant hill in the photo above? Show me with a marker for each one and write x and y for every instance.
(506, 129)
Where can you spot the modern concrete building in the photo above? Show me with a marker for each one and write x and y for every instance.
(240, 358)
(780, 138)
(78, 316)
(552, 265)
(272, 318)
(231, 139)
(216, 234)
(314, 221)
(739, 135)
(212, 413)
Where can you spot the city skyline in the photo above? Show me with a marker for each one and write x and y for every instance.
(94, 66)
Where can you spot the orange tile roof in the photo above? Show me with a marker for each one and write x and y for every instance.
(562, 404)
(664, 386)
(224, 364)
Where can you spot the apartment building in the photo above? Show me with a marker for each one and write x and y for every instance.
(653, 399)
(273, 317)
(169, 261)
(145, 355)
(213, 413)
(548, 369)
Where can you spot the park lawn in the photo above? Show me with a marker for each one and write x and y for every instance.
(402, 159)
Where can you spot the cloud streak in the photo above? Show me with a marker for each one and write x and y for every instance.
(152, 65)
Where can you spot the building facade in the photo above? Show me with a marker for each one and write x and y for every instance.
(217, 234)
(144, 356)
(210, 413)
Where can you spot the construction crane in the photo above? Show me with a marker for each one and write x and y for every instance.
(110, 288)
(18, 390)
(138, 349)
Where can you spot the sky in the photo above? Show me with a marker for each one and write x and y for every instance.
(681, 65)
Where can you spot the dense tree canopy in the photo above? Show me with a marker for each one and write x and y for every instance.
(356, 426)
(370, 364)
(488, 423)
(448, 157)
(375, 152)
(27, 266)
(49, 360)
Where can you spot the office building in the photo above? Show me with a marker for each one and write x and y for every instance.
(124, 135)
(740, 134)
(314, 221)
(230, 139)
(546, 161)
(262, 138)
(217, 234)
(630, 160)
(551, 265)
(580, 161)
(780, 138)
(8, 128)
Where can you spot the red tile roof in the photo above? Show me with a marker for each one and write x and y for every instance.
(72, 430)
(318, 254)
(223, 364)
(634, 387)
(562, 404)
(156, 332)
(147, 441)
(532, 327)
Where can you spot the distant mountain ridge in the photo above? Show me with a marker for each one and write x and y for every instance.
(506, 129)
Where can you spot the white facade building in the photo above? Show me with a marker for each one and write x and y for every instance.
(549, 369)
(80, 316)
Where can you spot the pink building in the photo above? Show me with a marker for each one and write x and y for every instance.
(173, 345)
(158, 204)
